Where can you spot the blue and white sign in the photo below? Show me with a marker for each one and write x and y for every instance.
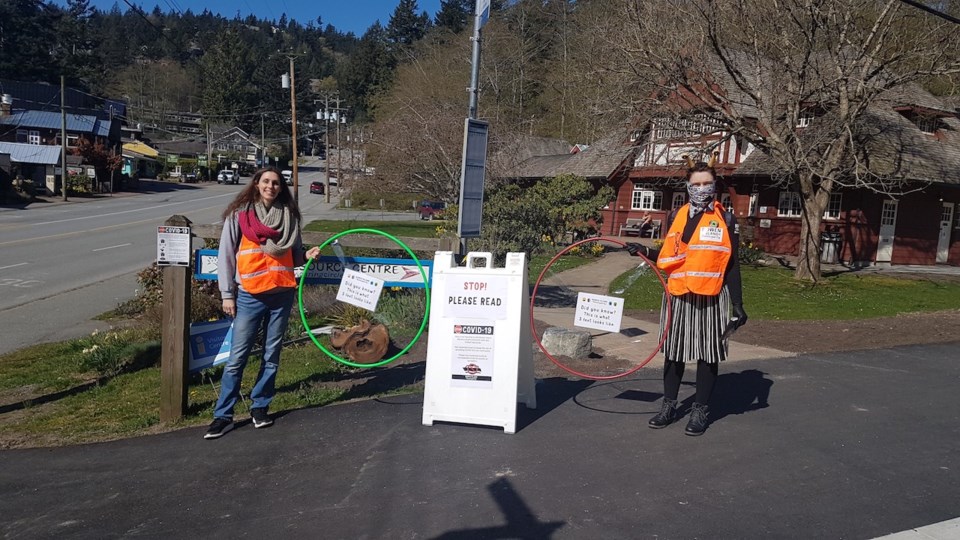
(483, 12)
(210, 343)
(329, 270)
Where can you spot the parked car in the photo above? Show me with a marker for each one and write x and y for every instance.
(227, 176)
(190, 177)
(288, 176)
(431, 209)
(317, 187)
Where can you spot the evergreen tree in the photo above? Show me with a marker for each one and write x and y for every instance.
(405, 26)
(27, 31)
(226, 75)
(454, 15)
(367, 71)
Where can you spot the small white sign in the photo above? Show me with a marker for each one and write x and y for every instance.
(471, 361)
(173, 246)
(360, 290)
(711, 234)
(763, 209)
(598, 312)
(764, 223)
(475, 297)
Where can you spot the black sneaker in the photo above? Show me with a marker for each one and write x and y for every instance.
(218, 428)
(260, 417)
(698, 420)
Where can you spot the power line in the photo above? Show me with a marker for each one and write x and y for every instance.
(931, 11)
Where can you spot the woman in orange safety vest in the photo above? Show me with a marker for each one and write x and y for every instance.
(699, 256)
(259, 247)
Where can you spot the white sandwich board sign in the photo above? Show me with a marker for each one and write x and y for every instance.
(479, 360)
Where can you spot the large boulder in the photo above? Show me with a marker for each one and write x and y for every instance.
(570, 343)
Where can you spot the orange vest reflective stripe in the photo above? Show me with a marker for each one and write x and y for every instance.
(260, 272)
(699, 266)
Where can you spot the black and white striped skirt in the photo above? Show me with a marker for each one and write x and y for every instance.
(696, 324)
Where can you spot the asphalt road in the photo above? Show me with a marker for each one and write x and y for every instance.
(840, 446)
(65, 263)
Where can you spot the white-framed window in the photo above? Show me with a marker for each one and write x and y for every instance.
(72, 140)
(34, 137)
(833, 207)
(726, 202)
(645, 198)
(754, 199)
(789, 205)
(679, 199)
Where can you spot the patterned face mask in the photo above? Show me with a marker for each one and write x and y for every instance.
(701, 195)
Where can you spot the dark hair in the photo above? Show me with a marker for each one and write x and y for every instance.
(701, 166)
(251, 195)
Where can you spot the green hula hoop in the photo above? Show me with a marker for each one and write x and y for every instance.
(303, 315)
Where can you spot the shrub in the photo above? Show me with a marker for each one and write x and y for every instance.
(749, 253)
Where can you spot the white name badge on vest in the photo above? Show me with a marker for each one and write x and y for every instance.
(711, 234)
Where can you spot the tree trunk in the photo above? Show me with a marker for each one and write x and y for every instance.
(813, 204)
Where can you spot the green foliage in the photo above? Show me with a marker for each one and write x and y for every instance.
(573, 204)
(517, 219)
(205, 301)
(513, 220)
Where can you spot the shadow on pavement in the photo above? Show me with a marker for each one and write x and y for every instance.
(521, 521)
(738, 393)
(551, 393)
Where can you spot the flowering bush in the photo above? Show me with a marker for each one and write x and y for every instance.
(103, 352)
(750, 253)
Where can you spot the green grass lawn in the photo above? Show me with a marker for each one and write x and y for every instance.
(414, 229)
(772, 293)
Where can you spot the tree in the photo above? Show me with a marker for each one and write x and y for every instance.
(226, 76)
(366, 72)
(407, 27)
(757, 67)
(454, 15)
(104, 160)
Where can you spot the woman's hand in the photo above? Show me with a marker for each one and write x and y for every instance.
(313, 252)
(230, 307)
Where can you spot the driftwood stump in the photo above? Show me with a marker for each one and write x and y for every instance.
(364, 343)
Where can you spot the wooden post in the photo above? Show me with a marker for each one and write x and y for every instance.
(175, 332)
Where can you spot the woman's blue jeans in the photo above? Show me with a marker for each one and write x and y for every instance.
(274, 311)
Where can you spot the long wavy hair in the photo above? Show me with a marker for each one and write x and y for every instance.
(251, 195)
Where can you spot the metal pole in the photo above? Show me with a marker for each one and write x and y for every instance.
(63, 137)
(474, 98)
(293, 124)
(475, 71)
(263, 146)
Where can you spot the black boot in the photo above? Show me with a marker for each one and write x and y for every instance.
(666, 416)
(698, 420)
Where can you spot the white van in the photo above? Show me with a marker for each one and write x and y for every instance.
(288, 176)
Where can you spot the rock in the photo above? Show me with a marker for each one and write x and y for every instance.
(570, 343)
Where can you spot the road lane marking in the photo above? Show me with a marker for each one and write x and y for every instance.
(104, 228)
(113, 247)
(12, 266)
(139, 209)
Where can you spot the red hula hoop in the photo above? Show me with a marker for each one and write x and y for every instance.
(533, 296)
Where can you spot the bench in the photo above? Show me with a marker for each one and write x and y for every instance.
(635, 226)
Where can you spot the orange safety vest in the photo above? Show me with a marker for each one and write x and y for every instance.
(697, 267)
(260, 272)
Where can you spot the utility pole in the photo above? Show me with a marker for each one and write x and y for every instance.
(341, 120)
(63, 137)
(293, 125)
(263, 145)
(209, 152)
(326, 148)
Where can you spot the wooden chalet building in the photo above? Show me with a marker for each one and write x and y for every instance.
(911, 138)
(914, 141)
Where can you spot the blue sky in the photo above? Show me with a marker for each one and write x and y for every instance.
(347, 15)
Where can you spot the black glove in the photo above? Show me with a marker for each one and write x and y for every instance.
(738, 319)
(739, 315)
(635, 249)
